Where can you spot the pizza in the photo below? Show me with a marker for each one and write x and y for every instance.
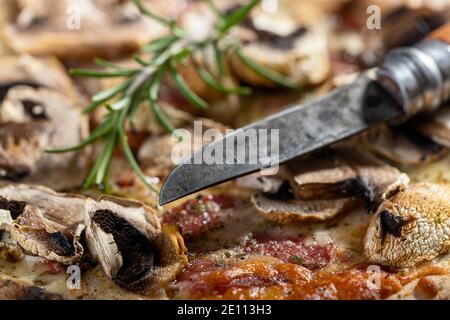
(365, 219)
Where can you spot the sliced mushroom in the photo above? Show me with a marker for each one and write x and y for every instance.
(294, 210)
(155, 154)
(133, 249)
(46, 223)
(64, 27)
(411, 227)
(31, 121)
(402, 145)
(324, 184)
(281, 44)
(277, 40)
(13, 289)
(437, 127)
(9, 249)
(36, 72)
(342, 172)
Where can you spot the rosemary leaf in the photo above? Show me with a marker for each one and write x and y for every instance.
(190, 95)
(220, 60)
(159, 44)
(105, 160)
(102, 73)
(98, 133)
(106, 64)
(265, 73)
(92, 107)
(122, 103)
(111, 92)
(141, 61)
(150, 14)
(213, 8)
(132, 161)
(237, 17)
(213, 83)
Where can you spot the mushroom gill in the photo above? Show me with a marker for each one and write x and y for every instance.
(410, 227)
(134, 250)
(31, 121)
(45, 223)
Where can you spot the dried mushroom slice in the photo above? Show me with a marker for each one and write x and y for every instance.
(297, 52)
(294, 210)
(322, 185)
(342, 172)
(9, 249)
(411, 227)
(32, 121)
(437, 127)
(133, 249)
(13, 289)
(46, 223)
(81, 28)
(403, 145)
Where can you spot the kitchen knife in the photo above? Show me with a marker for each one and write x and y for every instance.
(411, 80)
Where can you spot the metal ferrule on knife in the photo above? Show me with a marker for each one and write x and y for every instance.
(419, 76)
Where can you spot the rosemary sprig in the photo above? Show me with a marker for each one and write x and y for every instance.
(144, 82)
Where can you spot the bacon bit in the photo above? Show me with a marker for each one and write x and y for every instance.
(196, 216)
(293, 250)
(53, 267)
(261, 279)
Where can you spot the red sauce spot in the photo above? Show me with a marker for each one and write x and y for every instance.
(273, 279)
(199, 215)
(293, 250)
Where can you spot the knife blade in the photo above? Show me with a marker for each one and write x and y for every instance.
(302, 128)
(411, 80)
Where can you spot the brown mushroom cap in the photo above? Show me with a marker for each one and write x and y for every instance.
(410, 227)
(133, 249)
(36, 119)
(46, 223)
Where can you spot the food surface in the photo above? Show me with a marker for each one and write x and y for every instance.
(86, 143)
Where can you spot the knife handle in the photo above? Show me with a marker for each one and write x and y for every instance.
(419, 76)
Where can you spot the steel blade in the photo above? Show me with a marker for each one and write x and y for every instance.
(344, 112)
